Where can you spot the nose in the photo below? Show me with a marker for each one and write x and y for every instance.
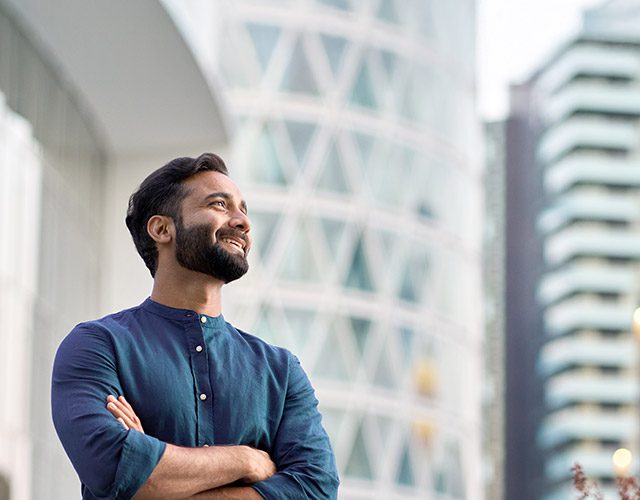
(240, 221)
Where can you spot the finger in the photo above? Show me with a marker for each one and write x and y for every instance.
(122, 417)
(116, 411)
(120, 408)
(129, 409)
(117, 404)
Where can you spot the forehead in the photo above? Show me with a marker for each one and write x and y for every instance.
(204, 183)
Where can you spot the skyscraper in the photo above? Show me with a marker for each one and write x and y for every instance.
(580, 114)
(356, 142)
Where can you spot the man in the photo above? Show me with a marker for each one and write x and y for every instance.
(167, 400)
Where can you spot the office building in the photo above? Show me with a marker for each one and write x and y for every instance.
(574, 244)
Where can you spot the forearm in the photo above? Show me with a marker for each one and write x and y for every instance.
(185, 472)
(230, 493)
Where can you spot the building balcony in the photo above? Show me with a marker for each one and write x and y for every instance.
(589, 60)
(595, 461)
(593, 133)
(591, 241)
(596, 98)
(590, 169)
(590, 387)
(581, 314)
(586, 424)
(583, 278)
(589, 206)
(562, 353)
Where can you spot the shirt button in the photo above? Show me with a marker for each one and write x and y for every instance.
(203, 397)
(203, 319)
(199, 348)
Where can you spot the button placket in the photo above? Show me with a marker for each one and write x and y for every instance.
(202, 380)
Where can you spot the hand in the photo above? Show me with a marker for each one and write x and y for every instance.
(259, 465)
(123, 412)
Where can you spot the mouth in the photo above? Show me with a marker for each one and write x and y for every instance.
(236, 243)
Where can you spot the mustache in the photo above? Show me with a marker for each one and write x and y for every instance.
(231, 233)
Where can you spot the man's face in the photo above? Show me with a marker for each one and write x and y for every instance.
(213, 236)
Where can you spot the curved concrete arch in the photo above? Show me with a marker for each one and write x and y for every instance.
(133, 70)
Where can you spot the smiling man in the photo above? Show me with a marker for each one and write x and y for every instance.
(167, 400)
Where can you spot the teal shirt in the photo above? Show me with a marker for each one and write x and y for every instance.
(193, 380)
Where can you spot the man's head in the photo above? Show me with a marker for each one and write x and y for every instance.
(192, 204)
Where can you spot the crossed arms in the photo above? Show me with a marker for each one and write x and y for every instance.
(198, 473)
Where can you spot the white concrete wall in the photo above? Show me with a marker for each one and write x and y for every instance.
(20, 173)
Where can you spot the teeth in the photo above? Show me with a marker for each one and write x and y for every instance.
(232, 242)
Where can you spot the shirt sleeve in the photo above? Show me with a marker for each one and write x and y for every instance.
(112, 462)
(302, 451)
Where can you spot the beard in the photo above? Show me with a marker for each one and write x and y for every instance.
(195, 250)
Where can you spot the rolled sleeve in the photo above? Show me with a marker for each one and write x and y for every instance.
(112, 462)
(302, 451)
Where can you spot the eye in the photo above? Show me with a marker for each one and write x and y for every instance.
(218, 203)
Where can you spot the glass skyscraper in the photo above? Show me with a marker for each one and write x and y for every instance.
(356, 143)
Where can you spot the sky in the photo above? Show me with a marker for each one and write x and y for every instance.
(514, 37)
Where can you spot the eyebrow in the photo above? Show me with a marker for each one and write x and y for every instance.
(226, 196)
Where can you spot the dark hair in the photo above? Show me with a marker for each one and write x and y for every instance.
(161, 193)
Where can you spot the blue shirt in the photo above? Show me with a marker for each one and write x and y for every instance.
(193, 380)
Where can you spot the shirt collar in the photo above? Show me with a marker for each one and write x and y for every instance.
(178, 314)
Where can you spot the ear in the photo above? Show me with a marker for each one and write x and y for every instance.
(161, 228)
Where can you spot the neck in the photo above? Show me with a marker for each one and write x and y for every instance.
(188, 290)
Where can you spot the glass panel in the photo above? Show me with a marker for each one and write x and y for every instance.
(263, 327)
(300, 324)
(359, 275)
(264, 38)
(332, 174)
(383, 430)
(265, 165)
(414, 277)
(332, 419)
(389, 63)
(334, 46)
(424, 18)
(456, 468)
(298, 77)
(300, 134)
(300, 261)
(360, 327)
(263, 229)
(365, 144)
(358, 464)
(363, 92)
(406, 336)
(338, 4)
(387, 12)
(405, 469)
(333, 231)
(331, 362)
(385, 374)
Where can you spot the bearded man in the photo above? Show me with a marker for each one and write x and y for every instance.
(167, 400)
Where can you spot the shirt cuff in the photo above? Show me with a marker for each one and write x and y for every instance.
(279, 487)
(140, 455)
